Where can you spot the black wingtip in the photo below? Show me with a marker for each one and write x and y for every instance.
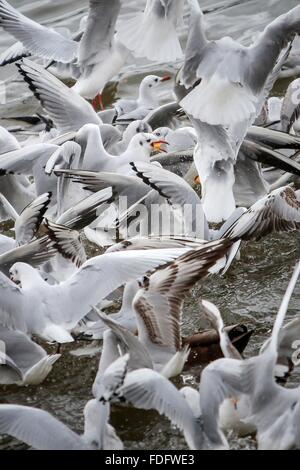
(14, 59)
(29, 81)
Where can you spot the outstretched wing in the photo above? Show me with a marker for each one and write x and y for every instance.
(38, 429)
(158, 304)
(98, 36)
(277, 212)
(66, 108)
(97, 278)
(149, 390)
(37, 39)
(34, 253)
(29, 221)
(16, 52)
(263, 54)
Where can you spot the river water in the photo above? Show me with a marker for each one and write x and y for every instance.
(251, 291)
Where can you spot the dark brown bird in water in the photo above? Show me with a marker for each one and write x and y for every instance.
(205, 346)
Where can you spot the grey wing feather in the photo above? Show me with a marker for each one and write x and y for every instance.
(98, 36)
(147, 389)
(6, 210)
(34, 253)
(38, 429)
(263, 54)
(67, 242)
(86, 211)
(67, 109)
(290, 111)
(196, 45)
(36, 38)
(20, 349)
(29, 221)
(138, 355)
(16, 52)
(107, 383)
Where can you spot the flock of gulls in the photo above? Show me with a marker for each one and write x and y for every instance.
(224, 148)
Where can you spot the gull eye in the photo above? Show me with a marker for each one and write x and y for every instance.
(137, 130)
(148, 141)
(156, 80)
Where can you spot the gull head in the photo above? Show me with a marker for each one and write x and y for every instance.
(153, 81)
(146, 143)
(134, 128)
(150, 90)
(163, 134)
(15, 275)
(24, 275)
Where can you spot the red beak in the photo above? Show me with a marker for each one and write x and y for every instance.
(166, 78)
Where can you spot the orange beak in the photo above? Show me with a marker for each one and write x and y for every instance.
(166, 78)
(158, 145)
(197, 180)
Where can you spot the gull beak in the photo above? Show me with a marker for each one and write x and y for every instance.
(197, 180)
(11, 277)
(166, 78)
(158, 145)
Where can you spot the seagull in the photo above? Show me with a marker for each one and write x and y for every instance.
(272, 408)
(221, 124)
(38, 304)
(159, 342)
(152, 33)
(94, 156)
(42, 431)
(147, 389)
(66, 108)
(226, 67)
(92, 66)
(148, 100)
(27, 223)
(179, 140)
